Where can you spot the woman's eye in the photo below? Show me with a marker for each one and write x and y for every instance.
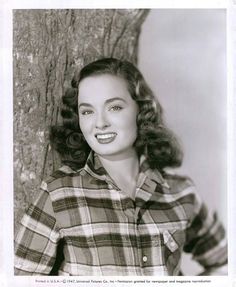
(86, 112)
(116, 108)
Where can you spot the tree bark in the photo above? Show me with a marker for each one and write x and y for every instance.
(48, 46)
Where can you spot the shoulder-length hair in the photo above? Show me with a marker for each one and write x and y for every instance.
(154, 140)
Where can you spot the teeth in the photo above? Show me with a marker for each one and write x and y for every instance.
(106, 136)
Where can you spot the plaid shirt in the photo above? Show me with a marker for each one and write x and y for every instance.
(105, 232)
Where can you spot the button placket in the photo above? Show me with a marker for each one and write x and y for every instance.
(129, 209)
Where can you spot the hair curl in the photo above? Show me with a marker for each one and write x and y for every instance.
(154, 140)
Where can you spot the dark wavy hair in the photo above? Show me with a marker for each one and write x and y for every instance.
(154, 140)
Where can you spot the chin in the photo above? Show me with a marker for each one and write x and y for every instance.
(115, 154)
(106, 152)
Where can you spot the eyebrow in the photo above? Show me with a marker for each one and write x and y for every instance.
(106, 102)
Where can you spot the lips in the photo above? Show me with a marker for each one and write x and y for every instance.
(105, 138)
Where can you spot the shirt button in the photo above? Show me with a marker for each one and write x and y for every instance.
(145, 259)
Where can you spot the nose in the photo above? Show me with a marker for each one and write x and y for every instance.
(102, 121)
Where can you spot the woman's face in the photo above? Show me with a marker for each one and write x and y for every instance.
(107, 115)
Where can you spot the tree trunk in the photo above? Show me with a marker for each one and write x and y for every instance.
(49, 45)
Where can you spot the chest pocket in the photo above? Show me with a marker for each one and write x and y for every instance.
(173, 239)
(169, 241)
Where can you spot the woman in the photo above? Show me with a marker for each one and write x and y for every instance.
(112, 203)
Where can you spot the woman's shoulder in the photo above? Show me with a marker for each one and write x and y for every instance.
(178, 183)
(181, 188)
(62, 177)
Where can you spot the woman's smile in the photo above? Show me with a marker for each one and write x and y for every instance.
(105, 138)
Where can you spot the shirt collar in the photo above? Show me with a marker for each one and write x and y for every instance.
(153, 174)
(95, 168)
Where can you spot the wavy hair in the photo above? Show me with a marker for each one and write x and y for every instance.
(154, 139)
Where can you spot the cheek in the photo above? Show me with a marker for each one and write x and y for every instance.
(129, 124)
(84, 125)
(133, 119)
(132, 124)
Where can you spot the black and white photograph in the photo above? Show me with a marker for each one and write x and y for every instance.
(120, 151)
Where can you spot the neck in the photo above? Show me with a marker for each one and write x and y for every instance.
(126, 165)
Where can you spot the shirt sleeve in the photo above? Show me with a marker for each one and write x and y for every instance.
(206, 239)
(37, 238)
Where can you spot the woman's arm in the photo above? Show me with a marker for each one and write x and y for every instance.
(37, 239)
(206, 240)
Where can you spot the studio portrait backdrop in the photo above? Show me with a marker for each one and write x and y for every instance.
(182, 55)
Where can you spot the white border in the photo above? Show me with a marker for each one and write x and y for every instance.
(231, 139)
(93, 4)
(6, 140)
(6, 120)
